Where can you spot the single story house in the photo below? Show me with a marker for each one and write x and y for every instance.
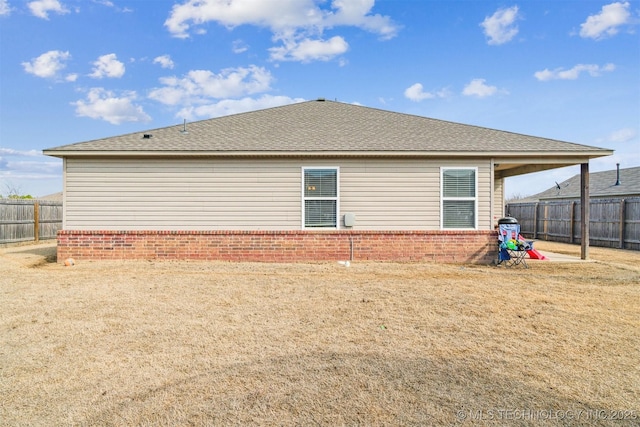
(316, 180)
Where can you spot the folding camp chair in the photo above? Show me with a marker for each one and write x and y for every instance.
(511, 250)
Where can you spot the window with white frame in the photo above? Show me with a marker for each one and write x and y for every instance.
(458, 195)
(320, 197)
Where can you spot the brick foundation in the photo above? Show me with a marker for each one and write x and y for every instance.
(477, 247)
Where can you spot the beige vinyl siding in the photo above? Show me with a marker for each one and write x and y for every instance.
(254, 194)
(403, 194)
(389, 194)
(181, 194)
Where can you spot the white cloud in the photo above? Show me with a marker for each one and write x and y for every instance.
(606, 23)
(622, 135)
(478, 87)
(5, 8)
(14, 152)
(164, 61)
(11, 171)
(25, 164)
(299, 24)
(357, 13)
(500, 27)
(107, 66)
(112, 5)
(29, 169)
(200, 86)
(239, 46)
(105, 105)
(234, 106)
(573, 73)
(279, 15)
(48, 65)
(308, 50)
(41, 8)
(416, 93)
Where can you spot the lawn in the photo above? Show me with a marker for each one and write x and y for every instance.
(208, 343)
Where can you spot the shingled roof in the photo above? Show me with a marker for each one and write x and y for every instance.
(324, 127)
(601, 185)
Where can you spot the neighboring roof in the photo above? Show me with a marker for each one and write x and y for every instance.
(324, 128)
(55, 197)
(601, 184)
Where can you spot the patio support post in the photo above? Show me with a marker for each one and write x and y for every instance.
(584, 210)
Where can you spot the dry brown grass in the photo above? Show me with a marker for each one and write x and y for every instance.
(195, 343)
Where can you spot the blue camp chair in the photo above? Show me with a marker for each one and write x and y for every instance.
(511, 249)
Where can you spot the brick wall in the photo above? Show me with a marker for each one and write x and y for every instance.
(478, 247)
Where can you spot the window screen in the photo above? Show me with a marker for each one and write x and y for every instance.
(320, 197)
(459, 183)
(459, 198)
(458, 214)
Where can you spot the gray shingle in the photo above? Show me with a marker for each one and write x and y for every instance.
(601, 184)
(327, 126)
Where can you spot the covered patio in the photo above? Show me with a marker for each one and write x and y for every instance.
(509, 167)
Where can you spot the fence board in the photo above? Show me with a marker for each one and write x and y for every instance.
(18, 221)
(613, 223)
(631, 232)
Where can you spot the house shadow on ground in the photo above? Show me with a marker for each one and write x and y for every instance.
(352, 389)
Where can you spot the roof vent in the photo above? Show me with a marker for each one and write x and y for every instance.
(320, 99)
(617, 174)
(184, 127)
(146, 136)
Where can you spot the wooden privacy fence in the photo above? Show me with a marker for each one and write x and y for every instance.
(613, 223)
(29, 220)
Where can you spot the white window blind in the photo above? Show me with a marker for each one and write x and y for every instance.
(458, 198)
(459, 183)
(320, 197)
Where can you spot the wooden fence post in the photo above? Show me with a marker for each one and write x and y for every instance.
(36, 221)
(622, 222)
(535, 220)
(572, 221)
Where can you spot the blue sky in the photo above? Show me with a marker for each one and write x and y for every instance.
(72, 71)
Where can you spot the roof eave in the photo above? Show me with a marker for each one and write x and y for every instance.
(489, 154)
